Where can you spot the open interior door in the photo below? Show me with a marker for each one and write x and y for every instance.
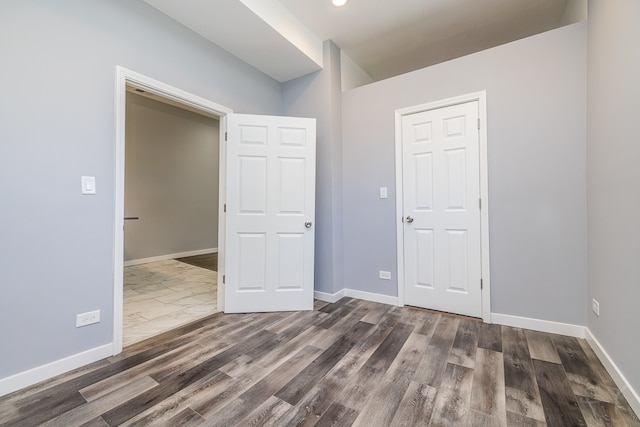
(270, 213)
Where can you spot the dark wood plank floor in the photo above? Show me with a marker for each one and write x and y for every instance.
(349, 363)
(208, 261)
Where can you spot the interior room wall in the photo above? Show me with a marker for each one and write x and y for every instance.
(536, 102)
(171, 179)
(613, 177)
(58, 123)
(319, 95)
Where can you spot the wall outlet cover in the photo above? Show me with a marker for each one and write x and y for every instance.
(88, 318)
(385, 275)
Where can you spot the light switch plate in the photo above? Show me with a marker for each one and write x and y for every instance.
(88, 184)
(383, 192)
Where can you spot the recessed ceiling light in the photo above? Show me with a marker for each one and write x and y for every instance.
(339, 2)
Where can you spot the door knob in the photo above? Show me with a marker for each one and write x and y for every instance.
(308, 224)
(409, 219)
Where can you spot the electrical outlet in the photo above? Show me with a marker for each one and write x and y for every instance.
(386, 275)
(595, 306)
(88, 318)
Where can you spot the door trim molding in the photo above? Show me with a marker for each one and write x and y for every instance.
(484, 192)
(124, 78)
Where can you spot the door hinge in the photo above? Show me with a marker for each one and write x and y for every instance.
(478, 123)
(481, 284)
(225, 136)
(225, 207)
(479, 203)
(224, 279)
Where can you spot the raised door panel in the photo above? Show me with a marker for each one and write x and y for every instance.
(252, 185)
(291, 188)
(291, 262)
(252, 261)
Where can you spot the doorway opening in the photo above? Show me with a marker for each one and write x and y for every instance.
(171, 215)
(162, 265)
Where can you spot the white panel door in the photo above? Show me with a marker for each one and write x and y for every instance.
(441, 173)
(270, 213)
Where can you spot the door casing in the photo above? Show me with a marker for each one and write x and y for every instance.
(484, 192)
(124, 78)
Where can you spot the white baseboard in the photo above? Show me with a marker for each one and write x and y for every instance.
(331, 298)
(50, 370)
(627, 391)
(169, 256)
(352, 293)
(568, 329)
(369, 296)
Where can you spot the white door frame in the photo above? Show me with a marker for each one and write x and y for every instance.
(484, 192)
(124, 78)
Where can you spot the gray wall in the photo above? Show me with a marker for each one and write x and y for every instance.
(319, 95)
(57, 108)
(171, 179)
(613, 173)
(536, 101)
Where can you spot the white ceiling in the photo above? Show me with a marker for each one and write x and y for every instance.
(283, 38)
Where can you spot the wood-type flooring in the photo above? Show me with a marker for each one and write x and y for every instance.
(208, 261)
(348, 363)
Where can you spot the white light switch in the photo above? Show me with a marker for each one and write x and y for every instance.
(88, 184)
(383, 192)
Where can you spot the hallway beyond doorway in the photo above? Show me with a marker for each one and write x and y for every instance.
(159, 296)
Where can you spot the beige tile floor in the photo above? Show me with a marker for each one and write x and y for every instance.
(159, 296)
